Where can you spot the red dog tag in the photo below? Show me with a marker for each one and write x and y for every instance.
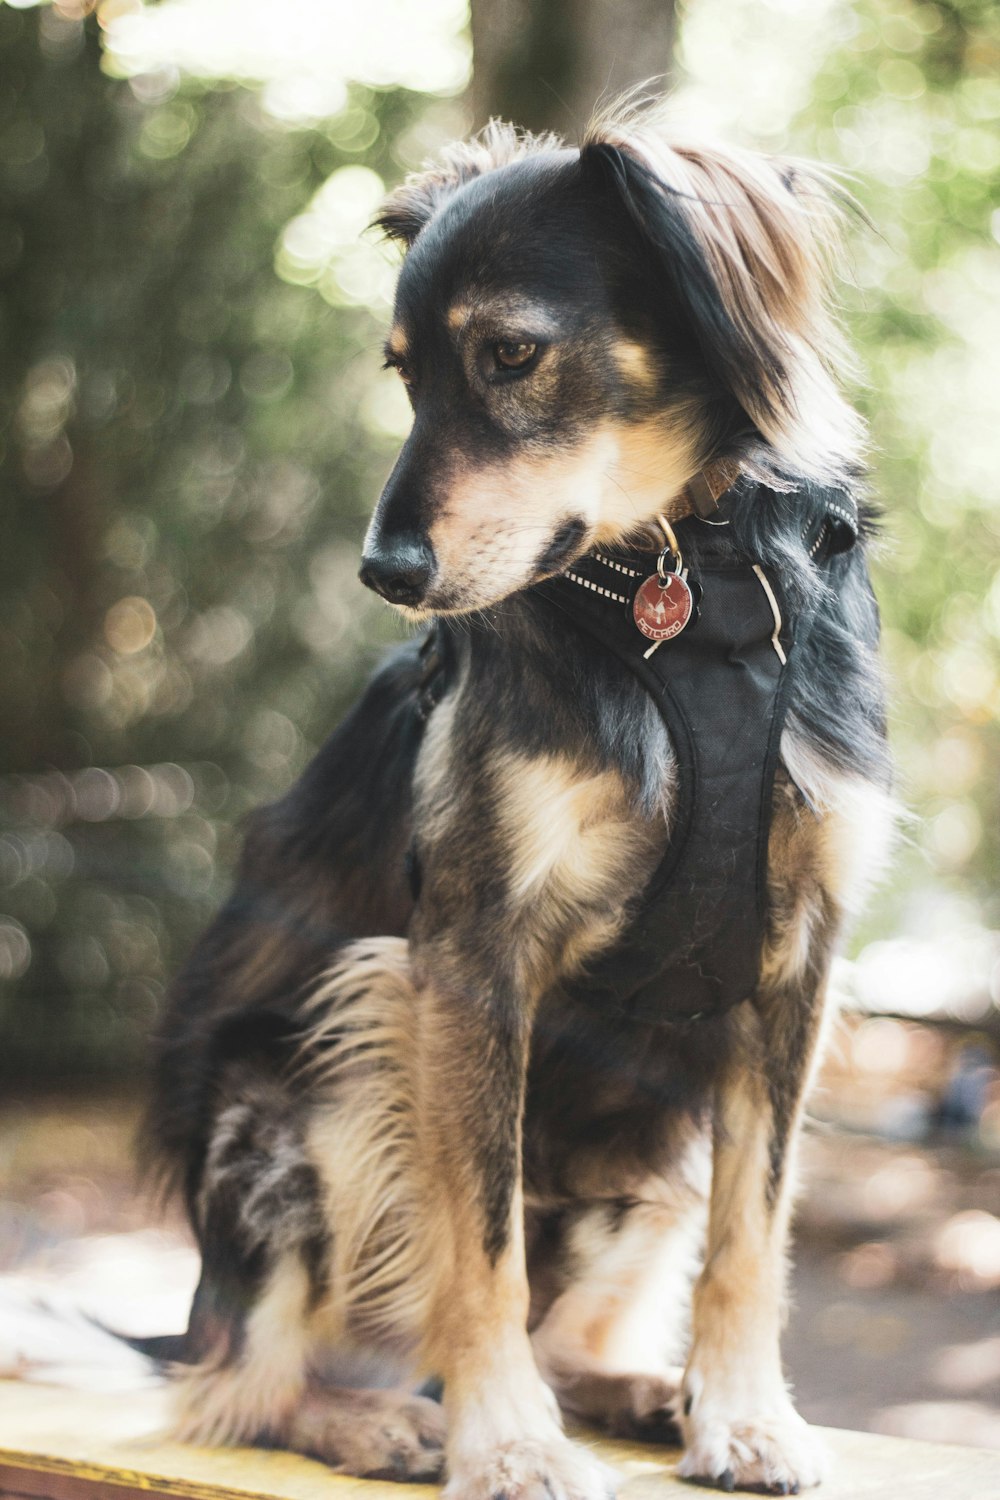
(662, 606)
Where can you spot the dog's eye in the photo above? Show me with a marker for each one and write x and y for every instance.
(514, 356)
(392, 363)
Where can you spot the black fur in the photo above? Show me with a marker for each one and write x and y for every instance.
(324, 865)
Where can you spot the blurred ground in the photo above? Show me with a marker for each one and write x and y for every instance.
(896, 1319)
(896, 1325)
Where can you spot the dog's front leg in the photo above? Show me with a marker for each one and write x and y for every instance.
(505, 1437)
(740, 1427)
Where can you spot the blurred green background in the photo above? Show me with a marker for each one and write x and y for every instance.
(194, 427)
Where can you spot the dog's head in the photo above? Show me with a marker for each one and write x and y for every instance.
(580, 332)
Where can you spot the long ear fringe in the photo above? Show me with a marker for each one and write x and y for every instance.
(414, 203)
(749, 242)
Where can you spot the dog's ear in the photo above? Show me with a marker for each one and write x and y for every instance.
(743, 243)
(415, 202)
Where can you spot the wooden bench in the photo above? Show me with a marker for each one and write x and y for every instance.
(61, 1445)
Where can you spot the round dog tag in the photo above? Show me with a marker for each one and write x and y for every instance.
(662, 606)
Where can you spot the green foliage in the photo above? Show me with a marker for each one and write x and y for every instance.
(192, 445)
(910, 103)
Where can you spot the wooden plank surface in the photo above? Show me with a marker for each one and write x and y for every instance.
(63, 1444)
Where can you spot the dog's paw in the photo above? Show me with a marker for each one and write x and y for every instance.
(554, 1469)
(373, 1434)
(773, 1454)
(648, 1411)
(641, 1407)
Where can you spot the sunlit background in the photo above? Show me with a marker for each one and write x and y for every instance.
(194, 426)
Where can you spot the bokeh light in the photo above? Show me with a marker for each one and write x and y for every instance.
(305, 56)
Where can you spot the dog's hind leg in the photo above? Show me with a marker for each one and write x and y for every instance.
(262, 1334)
(611, 1342)
(263, 1244)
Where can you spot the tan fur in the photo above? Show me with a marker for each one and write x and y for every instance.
(372, 1433)
(570, 835)
(576, 847)
(501, 316)
(795, 888)
(739, 1416)
(269, 1390)
(220, 1402)
(654, 460)
(831, 838)
(406, 1224)
(495, 522)
(635, 364)
(504, 1427)
(624, 1312)
(362, 1136)
(397, 343)
(437, 778)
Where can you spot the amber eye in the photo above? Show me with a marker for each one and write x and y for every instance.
(514, 356)
(393, 362)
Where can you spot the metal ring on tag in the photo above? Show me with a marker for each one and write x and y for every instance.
(671, 547)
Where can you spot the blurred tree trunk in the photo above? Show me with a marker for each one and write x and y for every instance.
(545, 64)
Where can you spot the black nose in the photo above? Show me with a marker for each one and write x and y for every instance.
(399, 570)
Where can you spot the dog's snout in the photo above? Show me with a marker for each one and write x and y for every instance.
(400, 570)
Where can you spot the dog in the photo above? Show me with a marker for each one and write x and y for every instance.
(460, 1086)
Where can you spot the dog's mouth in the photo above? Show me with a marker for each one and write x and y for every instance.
(466, 595)
(571, 538)
(569, 541)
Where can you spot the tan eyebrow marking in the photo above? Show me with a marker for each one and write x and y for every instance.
(513, 315)
(634, 363)
(397, 343)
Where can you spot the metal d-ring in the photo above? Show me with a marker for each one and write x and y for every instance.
(672, 548)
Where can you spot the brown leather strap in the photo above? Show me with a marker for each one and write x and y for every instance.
(709, 484)
(701, 496)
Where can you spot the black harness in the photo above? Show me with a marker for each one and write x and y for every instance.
(692, 949)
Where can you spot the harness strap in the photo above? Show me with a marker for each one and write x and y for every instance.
(692, 949)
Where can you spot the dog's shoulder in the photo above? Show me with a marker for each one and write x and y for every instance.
(537, 687)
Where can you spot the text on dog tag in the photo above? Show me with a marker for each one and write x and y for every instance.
(662, 606)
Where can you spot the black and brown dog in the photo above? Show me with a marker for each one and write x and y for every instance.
(413, 1144)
